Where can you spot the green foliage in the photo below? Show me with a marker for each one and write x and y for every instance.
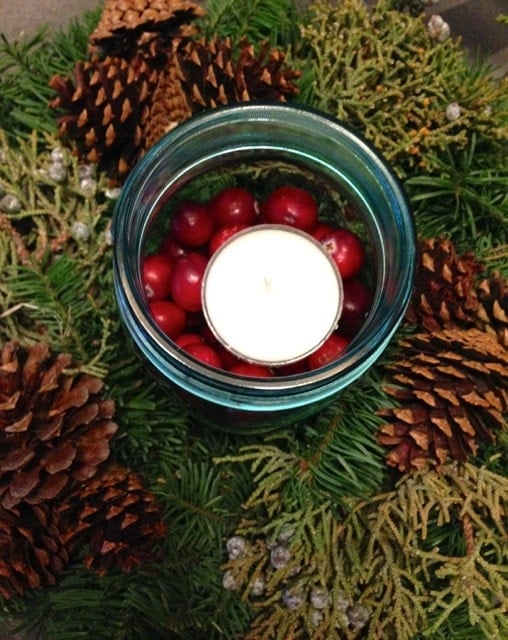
(27, 64)
(332, 458)
(340, 450)
(389, 555)
(257, 20)
(153, 424)
(56, 304)
(469, 188)
(379, 71)
(397, 552)
(51, 279)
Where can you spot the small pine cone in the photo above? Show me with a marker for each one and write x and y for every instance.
(444, 294)
(213, 77)
(451, 389)
(169, 107)
(104, 105)
(207, 72)
(32, 554)
(128, 25)
(54, 427)
(264, 76)
(492, 312)
(119, 519)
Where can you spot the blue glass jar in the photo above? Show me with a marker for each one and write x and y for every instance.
(305, 141)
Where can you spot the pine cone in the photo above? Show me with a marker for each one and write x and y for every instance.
(451, 389)
(169, 106)
(54, 427)
(105, 105)
(492, 312)
(32, 554)
(207, 72)
(129, 25)
(214, 78)
(264, 76)
(117, 517)
(444, 296)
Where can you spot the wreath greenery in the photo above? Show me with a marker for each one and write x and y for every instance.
(306, 532)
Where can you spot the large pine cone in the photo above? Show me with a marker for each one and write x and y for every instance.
(104, 106)
(118, 518)
(452, 390)
(444, 295)
(55, 428)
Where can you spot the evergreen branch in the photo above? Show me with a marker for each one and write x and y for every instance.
(153, 425)
(47, 210)
(340, 449)
(335, 458)
(258, 20)
(273, 472)
(57, 306)
(468, 189)
(387, 79)
(193, 503)
(26, 67)
(381, 557)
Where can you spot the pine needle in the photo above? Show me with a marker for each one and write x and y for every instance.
(256, 20)
(27, 64)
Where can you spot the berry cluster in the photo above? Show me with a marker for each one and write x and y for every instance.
(278, 568)
(172, 276)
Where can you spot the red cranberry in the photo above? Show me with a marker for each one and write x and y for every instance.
(186, 339)
(191, 224)
(223, 234)
(155, 275)
(169, 317)
(205, 353)
(251, 369)
(357, 301)
(232, 206)
(346, 250)
(186, 279)
(328, 352)
(292, 206)
(321, 230)
(169, 247)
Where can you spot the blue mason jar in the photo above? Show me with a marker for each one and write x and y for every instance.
(303, 140)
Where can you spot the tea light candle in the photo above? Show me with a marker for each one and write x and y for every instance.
(271, 294)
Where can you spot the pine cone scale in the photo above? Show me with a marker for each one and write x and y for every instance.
(21, 485)
(50, 488)
(10, 402)
(59, 458)
(16, 459)
(20, 425)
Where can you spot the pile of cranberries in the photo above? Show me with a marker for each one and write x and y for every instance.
(172, 276)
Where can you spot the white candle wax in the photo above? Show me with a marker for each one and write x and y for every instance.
(271, 294)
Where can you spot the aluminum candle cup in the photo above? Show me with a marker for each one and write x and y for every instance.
(283, 144)
(272, 295)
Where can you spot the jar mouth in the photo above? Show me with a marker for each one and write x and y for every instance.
(306, 138)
